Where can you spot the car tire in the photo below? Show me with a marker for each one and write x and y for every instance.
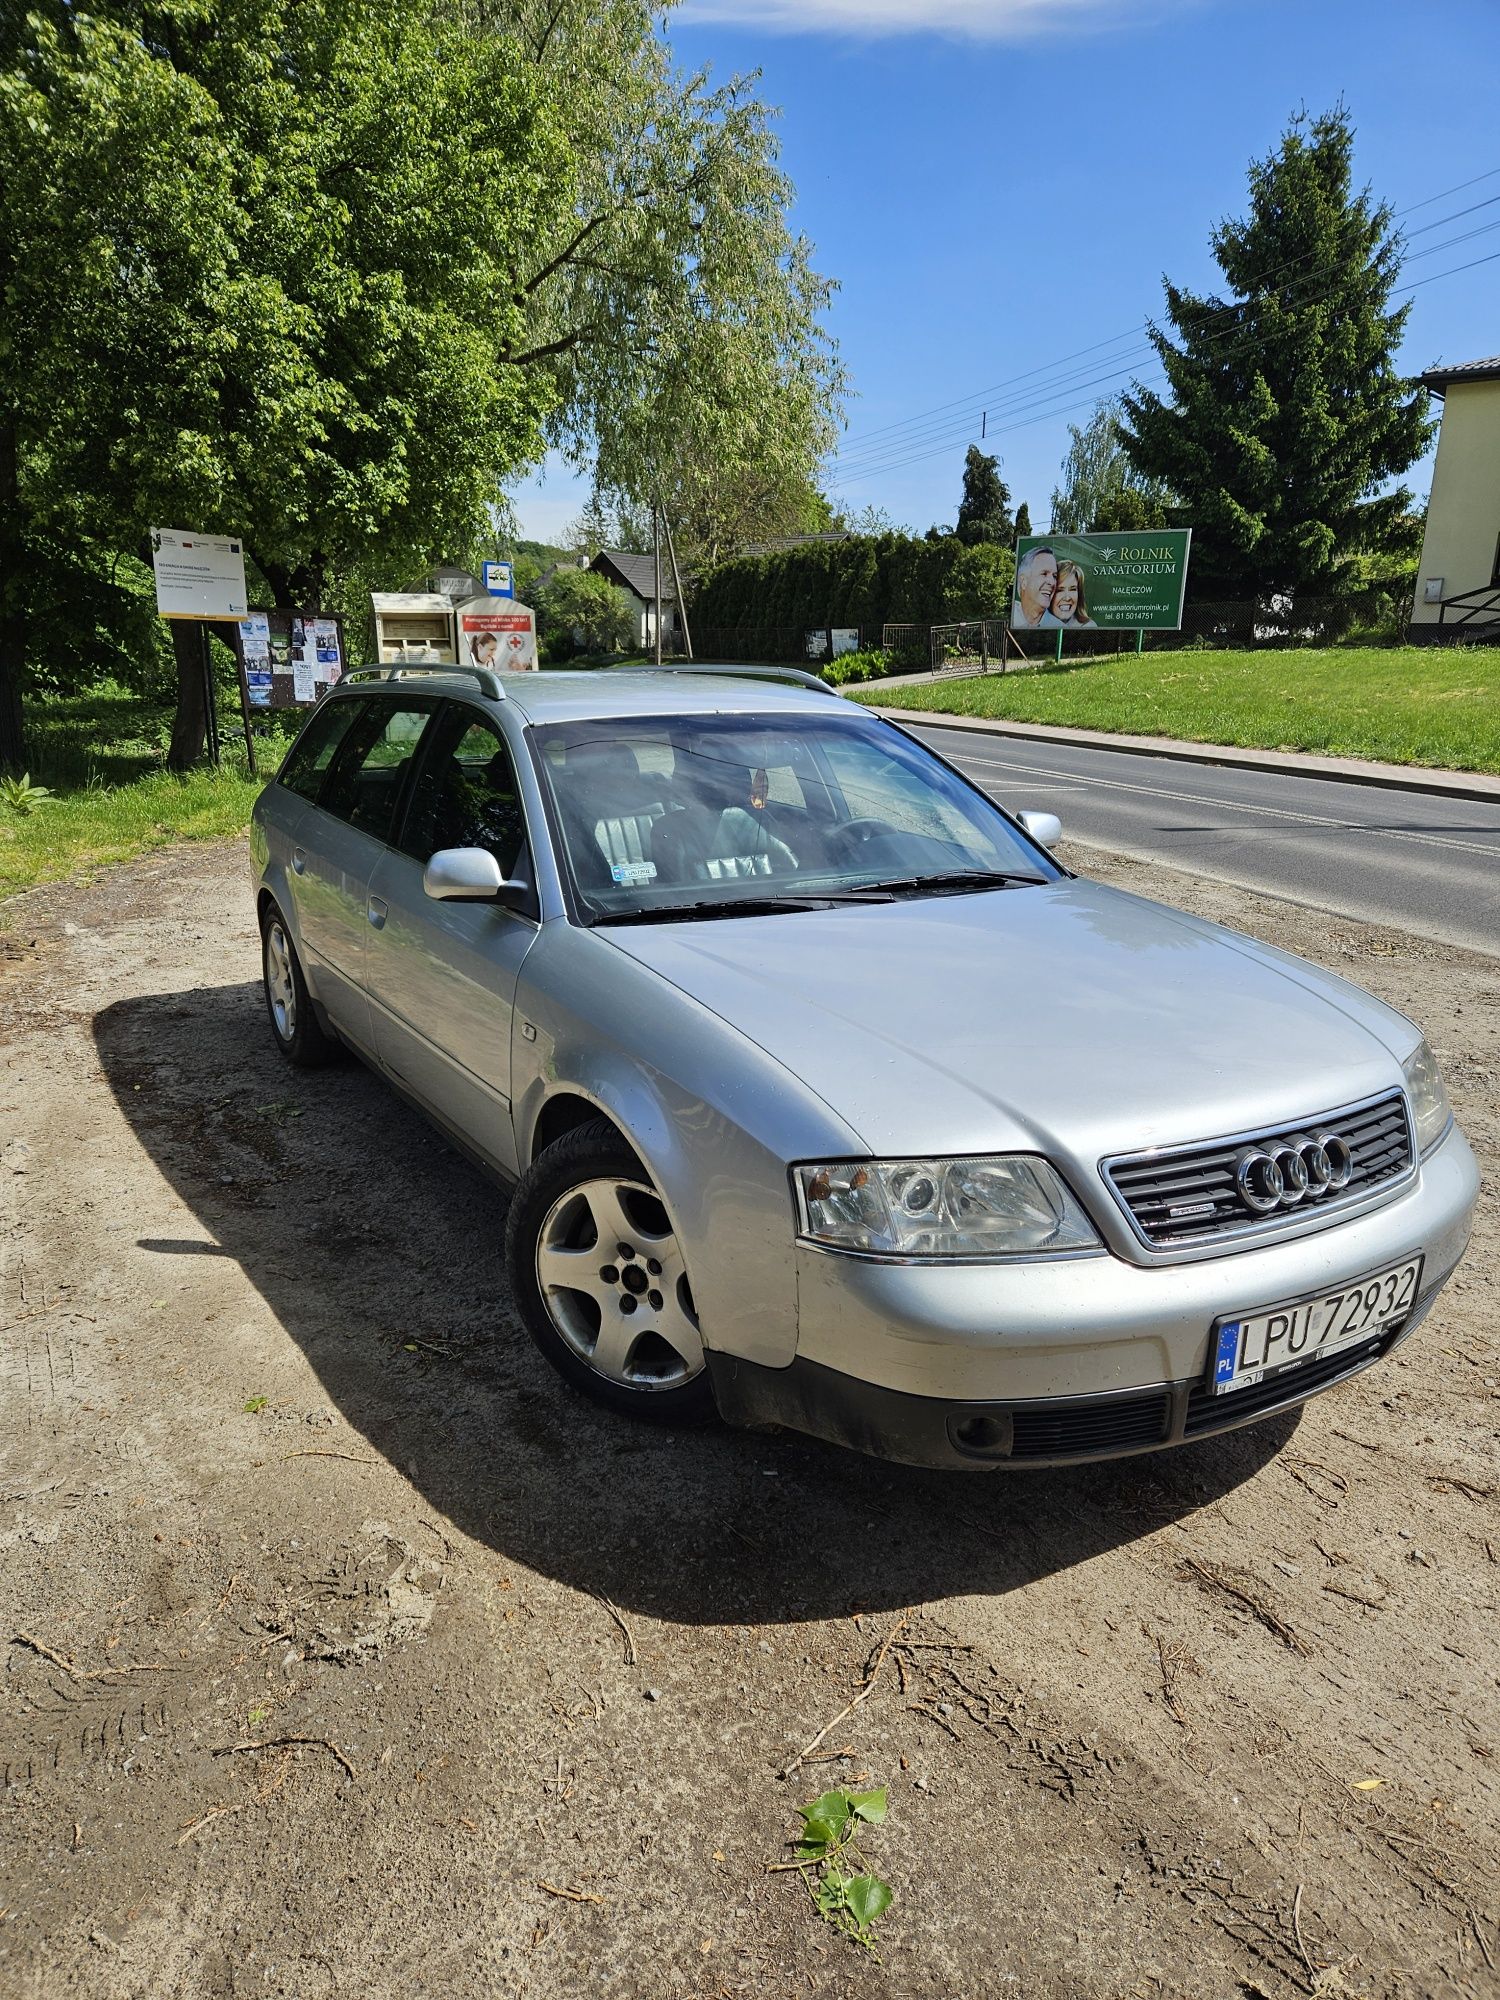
(621, 1328)
(300, 1036)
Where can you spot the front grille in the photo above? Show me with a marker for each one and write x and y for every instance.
(1188, 1195)
(1207, 1412)
(1071, 1429)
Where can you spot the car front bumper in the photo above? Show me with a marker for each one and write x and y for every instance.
(1041, 1362)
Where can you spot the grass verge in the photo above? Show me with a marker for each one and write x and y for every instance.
(102, 758)
(1396, 705)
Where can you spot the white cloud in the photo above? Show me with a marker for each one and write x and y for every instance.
(979, 20)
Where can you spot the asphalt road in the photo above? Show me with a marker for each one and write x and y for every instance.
(1424, 864)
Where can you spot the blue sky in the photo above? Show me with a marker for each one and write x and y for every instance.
(998, 184)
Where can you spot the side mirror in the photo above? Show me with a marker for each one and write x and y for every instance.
(1044, 828)
(467, 875)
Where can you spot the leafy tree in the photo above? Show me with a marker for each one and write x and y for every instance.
(1287, 418)
(868, 520)
(1101, 486)
(1023, 521)
(583, 605)
(680, 318)
(243, 300)
(984, 512)
(327, 275)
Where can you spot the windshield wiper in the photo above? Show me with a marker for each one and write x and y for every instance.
(741, 906)
(955, 879)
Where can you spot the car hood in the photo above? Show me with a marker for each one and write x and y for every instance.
(1072, 1019)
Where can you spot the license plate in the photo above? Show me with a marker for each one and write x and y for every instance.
(1263, 1344)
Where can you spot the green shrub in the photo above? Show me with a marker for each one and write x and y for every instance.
(872, 664)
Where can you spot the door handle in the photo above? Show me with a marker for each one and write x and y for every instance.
(299, 860)
(376, 912)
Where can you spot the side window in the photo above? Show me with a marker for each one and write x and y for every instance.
(315, 749)
(370, 766)
(465, 794)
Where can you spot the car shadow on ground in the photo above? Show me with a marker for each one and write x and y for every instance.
(378, 1250)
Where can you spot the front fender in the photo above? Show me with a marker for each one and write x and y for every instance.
(714, 1118)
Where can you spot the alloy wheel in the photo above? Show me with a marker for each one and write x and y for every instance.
(615, 1286)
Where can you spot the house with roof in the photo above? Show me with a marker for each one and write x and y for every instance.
(1458, 583)
(636, 576)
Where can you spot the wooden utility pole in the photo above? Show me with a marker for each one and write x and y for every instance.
(687, 637)
(656, 549)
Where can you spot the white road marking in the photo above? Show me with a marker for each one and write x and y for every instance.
(1233, 805)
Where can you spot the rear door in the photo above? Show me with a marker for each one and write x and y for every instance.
(441, 977)
(342, 837)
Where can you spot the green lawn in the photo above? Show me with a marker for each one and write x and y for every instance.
(1399, 705)
(102, 757)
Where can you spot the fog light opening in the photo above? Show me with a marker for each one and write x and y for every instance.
(982, 1433)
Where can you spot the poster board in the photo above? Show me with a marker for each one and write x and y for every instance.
(1132, 582)
(288, 658)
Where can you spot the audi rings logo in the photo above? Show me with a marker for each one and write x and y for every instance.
(1306, 1167)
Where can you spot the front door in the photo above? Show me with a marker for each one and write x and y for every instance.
(441, 977)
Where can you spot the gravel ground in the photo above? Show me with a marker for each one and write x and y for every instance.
(345, 1651)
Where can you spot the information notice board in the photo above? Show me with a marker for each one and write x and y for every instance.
(289, 658)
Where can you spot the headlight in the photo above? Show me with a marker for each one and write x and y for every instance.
(999, 1207)
(1430, 1109)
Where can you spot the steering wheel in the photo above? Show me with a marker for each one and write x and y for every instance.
(857, 834)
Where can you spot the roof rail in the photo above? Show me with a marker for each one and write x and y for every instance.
(752, 673)
(489, 682)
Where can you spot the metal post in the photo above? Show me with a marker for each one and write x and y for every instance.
(238, 649)
(1059, 644)
(656, 548)
(210, 710)
(1140, 638)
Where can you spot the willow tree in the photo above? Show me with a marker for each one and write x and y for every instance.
(679, 316)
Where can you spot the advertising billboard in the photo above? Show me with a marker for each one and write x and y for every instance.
(1101, 583)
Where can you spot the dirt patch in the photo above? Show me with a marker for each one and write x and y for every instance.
(346, 1652)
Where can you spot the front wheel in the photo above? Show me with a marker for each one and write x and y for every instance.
(600, 1281)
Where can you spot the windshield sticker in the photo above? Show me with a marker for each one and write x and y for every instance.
(630, 872)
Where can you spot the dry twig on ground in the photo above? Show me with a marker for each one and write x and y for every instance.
(286, 1743)
(872, 1675)
(1218, 1579)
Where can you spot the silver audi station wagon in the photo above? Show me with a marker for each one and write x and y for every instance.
(829, 1099)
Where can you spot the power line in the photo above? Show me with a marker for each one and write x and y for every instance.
(1044, 416)
(969, 402)
(957, 429)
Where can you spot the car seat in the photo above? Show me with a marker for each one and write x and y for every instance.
(610, 805)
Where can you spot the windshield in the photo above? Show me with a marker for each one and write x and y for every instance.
(718, 815)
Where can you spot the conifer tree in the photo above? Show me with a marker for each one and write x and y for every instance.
(1286, 419)
(984, 512)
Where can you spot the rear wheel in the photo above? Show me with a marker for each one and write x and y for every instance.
(600, 1279)
(299, 1034)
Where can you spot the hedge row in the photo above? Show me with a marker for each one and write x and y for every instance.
(866, 581)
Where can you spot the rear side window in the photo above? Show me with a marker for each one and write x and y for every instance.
(317, 746)
(368, 772)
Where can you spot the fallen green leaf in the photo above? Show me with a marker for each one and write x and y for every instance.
(870, 1806)
(868, 1898)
